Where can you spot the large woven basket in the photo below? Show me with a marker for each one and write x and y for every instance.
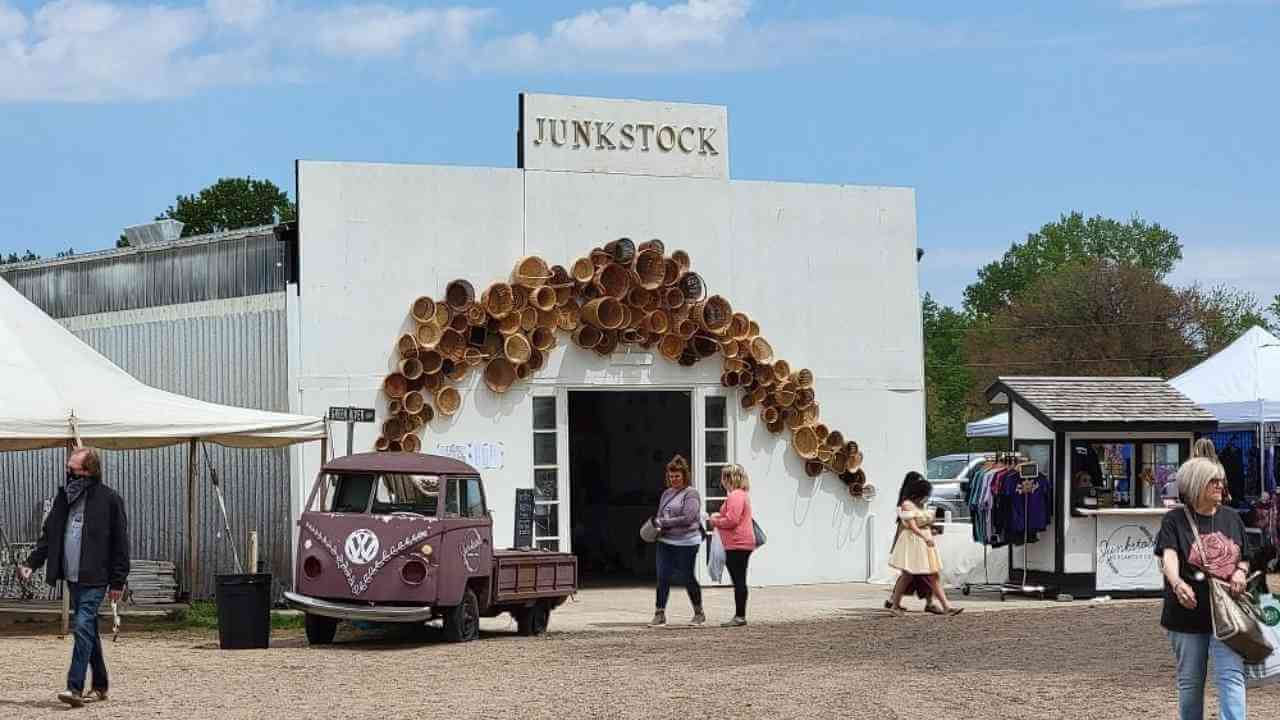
(407, 345)
(804, 378)
(543, 298)
(740, 327)
(713, 315)
(428, 335)
(681, 259)
(655, 244)
(411, 368)
(529, 318)
(459, 294)
(531, 272)
(605, 312)
(414, 402)
(498, 300)
(587, 336)
(395, 385)
(410, 443)
(517, 349)
(692, 286)
(622, 251)
(781, 369)
(432, 361)
(657, 322)
(761, 351)
(613, 281)
(813, 468)
(499, 374)
(671, 346)
(543, 339)
(608, 342)
(583, 270)
(452, 344)
(569, 317)
(650, 269)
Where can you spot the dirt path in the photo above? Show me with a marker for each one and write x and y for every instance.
(1071, 662)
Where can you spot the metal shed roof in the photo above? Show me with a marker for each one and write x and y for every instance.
(1064, 403)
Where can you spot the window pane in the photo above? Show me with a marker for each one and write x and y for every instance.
(552, 545)
(716, 413)
(717, 446)
(453, 498)
(713, 506)
(544, 413)
(544, 448)
(475, 499)
(546, 520)
(546, 484)
(713, 488)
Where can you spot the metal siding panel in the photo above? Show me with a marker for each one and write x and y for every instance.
(233, 359)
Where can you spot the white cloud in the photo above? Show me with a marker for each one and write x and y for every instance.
(12, 22)
(243, 14)
(1242, 265)
(371, 30)
(645, 27)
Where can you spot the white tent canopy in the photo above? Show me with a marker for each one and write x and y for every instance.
(1241, 383)
(52, 385)
(994, 426)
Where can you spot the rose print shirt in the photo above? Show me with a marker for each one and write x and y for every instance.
(1222, 535)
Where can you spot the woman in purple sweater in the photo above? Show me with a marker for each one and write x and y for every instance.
(679, 536)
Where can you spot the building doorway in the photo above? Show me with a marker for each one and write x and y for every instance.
(619, 446)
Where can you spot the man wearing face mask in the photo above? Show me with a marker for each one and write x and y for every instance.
(85, 541)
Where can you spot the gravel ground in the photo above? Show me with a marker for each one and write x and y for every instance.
(1109, 661)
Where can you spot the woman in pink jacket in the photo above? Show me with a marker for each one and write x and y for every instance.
(737, 533)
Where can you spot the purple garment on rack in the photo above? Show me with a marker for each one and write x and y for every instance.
(1029, 514)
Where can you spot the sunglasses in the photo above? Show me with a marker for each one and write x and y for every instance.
(1218, 481)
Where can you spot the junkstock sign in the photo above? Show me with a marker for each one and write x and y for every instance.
(1126, 558)
(577, 134)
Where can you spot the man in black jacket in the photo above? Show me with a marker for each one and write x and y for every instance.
(85, 541)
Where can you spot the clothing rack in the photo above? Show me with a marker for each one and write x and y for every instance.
(1001, 458)
(1028, 471)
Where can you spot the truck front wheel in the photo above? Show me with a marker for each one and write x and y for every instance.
(462, 621)
(533, 620)
(320, 630)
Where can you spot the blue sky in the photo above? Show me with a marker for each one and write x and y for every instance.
(1001, 115)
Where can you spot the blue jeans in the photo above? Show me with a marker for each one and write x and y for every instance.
(675, 564)
(1192, 651)
(85, 601)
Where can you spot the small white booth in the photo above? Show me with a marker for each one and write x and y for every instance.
(1109, 446)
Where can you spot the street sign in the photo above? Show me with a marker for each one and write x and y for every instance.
(351, 414)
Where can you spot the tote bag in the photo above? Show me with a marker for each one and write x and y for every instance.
(1266, 672)
(759, 533)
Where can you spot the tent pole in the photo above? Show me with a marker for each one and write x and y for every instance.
(191, 520)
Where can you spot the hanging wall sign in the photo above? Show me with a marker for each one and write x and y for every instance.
(479, 455)
(1126, 557)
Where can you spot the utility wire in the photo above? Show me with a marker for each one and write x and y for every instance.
(1068, 362)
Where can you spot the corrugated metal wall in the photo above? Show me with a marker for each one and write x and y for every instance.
(232, 352)
(210, 267)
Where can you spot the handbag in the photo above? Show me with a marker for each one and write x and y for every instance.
(648, 531)
(715, 558)
(758, 532)
(1236, 621)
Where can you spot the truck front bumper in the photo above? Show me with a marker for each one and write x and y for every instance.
(348, 611)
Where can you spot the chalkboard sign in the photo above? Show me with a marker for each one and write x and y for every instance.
(524, 518)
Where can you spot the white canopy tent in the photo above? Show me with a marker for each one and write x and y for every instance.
(994, 426)
(57, 391)
(1241, 383)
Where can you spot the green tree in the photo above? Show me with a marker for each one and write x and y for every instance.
(1275, 309)
(1221, 314)
(1068, 241)
(230, 204)
(122, 241)
(946, 379)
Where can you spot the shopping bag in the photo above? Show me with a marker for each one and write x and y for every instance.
(759, 533)
(1266, 672)
(715, 558)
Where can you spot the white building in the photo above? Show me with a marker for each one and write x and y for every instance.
(828, 271)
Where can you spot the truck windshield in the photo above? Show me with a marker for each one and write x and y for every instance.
(384, 493)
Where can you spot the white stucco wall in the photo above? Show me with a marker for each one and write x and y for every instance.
(828, 271)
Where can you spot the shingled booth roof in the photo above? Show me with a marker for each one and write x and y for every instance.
(1102, 403)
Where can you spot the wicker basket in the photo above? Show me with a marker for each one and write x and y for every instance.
(428, 335)
(448, 400)
(804, 398)
(455, 374)
(813, 468)
(459, 294)
(531, 272)
(499, 374)
(560, 277)
(770, 415)
(753, 329)
(423, 309)
(605, 312)
(692, 286)
(758, 396)
(452, 344)
(804, 378)
(713, 315)
(583, 270)
(431, 383)
(498, 300)
(835, 439)
(600, 258)
(537, 359)
(730, 379)
(608, 342)
(761, 351)
(395, 385)
(651, 269)
(414, 402)
(427, 415)
(638, 297)
(587, 336)
(823, 431)
(671, 272)
(672, 298)
(410, 443)
(523, 372)
(543, 339)
(681, 258)
(622, 251)
(657, 322)
(655, 245)
(517, 349)
(407, 345)
(764, 375)
(705, 346)
(543, 298)
(411, 368)
(509, 325)
(782, 369)
(443, 315)
(671, 347)
(393, 427)
(839, 462)
(459, 322)
(432, 361)
(569, 317)
(739, 327)
(613, 281)
(547, 319)
(381, 444)
(529, 319)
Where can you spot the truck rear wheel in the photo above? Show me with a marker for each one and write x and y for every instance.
(462, 621)
(320, 629)
(533, 620)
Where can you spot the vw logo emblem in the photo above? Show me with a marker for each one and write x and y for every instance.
(361, 546)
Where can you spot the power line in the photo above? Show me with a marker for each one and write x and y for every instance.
(1061, 326)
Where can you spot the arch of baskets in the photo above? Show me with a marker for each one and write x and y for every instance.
(616, 295)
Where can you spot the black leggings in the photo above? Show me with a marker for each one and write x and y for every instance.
(736, 561)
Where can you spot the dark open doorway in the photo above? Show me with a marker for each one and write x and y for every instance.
(619, 445)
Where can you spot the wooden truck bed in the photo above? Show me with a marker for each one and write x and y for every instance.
(529, 575)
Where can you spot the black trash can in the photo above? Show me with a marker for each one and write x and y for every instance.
(244, 611)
